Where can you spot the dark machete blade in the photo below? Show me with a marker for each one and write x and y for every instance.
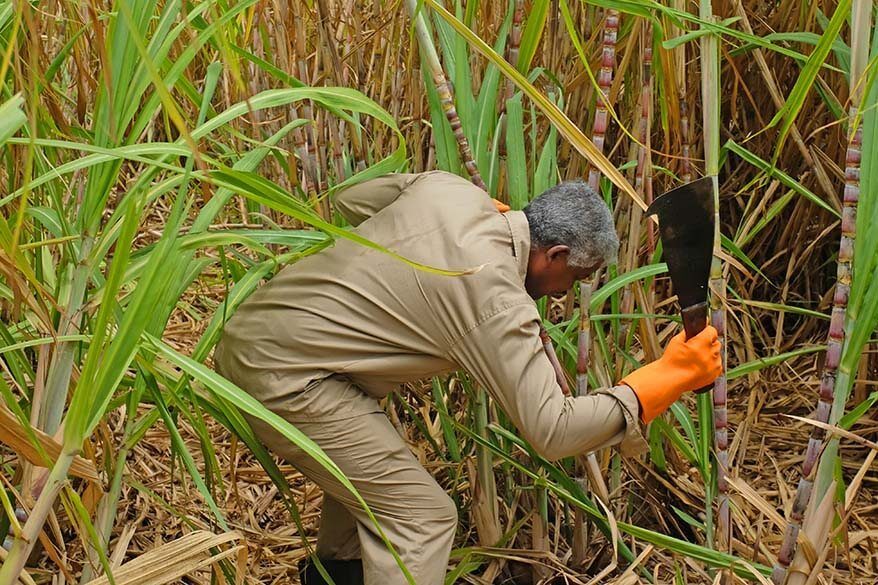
(685, 217)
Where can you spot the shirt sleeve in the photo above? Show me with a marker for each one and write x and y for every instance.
(504, 354)
(359, 202)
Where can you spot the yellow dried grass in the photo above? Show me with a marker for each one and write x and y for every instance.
(174, 559)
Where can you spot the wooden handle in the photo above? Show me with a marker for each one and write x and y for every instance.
(694, 322)
(694, 319)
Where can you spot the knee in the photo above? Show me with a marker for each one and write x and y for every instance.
(442, 515)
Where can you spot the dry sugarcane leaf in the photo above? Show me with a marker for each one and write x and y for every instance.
(122, 546)
(850, 493)
(752, 496)
(614, 532)
(14, 435)
(834, 430)
(173, 559)
(852, 489)
(812, 538)
(629, 576)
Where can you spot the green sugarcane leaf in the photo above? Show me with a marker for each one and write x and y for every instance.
(563, 486)
(684, 419)
(785, 308)
(623, 280)
(179, 446)
(676, 439)
(689, 519)
(766, 218)
(12, 117)
(738, 253)
(516, 157)
(447, 154)
(796, 98)
(268, 193)
(486, 131)
(693, 35)
(781, 176)
(445, 420)
(841, 50)
(857, 412)
(648, 9)
(657, 449)
(762, 363)
(532, 34)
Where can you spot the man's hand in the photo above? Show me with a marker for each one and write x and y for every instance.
(685, 366)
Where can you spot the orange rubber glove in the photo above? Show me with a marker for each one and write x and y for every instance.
(501, 207)
(685, 366)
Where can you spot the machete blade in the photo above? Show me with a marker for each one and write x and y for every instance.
(686, 224)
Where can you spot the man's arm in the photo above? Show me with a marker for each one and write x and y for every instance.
(363, 200)
(505, 356)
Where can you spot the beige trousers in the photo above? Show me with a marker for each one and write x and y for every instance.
(415, 513)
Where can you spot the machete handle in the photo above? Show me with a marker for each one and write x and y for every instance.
(694, 319)
(694, 322)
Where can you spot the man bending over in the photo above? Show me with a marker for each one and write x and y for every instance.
(331, 335)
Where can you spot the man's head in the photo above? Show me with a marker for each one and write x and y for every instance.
(572, 235)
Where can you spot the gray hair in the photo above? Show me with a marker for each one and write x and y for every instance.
(573, 215)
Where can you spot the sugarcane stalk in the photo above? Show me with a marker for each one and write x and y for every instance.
(61, 366)
(514, 47)
(583, 338)
(580, 537)
(539, 529)
(24, 543)
(443, 87)
(590, 468)
(836, 337)
(643, 173)
(643, 179)
(683, 102)
(485, 511)
(713, 406)
(605, 82)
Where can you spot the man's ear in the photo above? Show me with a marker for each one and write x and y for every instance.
(558, 252)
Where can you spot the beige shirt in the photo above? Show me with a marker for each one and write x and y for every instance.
(359, 313)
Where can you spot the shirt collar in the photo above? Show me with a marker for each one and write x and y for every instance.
(519, 231)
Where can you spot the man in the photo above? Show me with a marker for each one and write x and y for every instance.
(331, 335)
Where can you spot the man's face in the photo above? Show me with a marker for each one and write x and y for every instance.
(548, 272)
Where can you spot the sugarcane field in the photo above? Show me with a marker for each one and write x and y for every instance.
(425, 292)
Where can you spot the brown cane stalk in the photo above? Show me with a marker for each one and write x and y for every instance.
(599, 130)
(446, 97)
(836, 337)
(605, 82)
(514, 47)
(580, 537)
(711, 121)
(683, 103)
(721, 417)
(717, 284)
(643, 173)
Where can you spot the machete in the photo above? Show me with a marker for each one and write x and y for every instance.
(686, 229)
